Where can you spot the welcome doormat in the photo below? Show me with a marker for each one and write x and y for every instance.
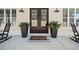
(38, 38)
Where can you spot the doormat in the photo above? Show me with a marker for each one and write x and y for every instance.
(38, 38)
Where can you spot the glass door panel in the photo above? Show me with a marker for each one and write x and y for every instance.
(34, 23)
(43, 17)
(34, 18)
(43, 12)
(43, 23)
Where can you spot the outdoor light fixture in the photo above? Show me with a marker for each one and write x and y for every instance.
(56, 10)
(21, 10)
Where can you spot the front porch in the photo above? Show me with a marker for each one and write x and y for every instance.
(62, 42)
(59, 43)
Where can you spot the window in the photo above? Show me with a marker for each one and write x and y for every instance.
(65, 16)
(13, 17)
(1, 16)
(70, 15)
(77, 17)
(7, 16)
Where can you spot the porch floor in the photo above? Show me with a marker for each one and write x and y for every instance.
(59, 43)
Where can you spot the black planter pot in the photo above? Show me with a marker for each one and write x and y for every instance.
(24, 31)
(53, 32)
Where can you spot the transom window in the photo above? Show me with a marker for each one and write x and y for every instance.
(70, 15)
(8, 16)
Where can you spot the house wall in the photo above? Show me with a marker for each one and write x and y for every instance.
(55, 16)
(25, 17)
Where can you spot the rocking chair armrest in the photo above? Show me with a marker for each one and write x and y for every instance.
(3, 34)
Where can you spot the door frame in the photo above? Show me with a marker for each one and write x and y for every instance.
(47, 21)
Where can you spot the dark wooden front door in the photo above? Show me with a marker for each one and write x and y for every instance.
(38, 20)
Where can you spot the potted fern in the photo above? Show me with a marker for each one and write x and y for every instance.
(54, 28)
(24, 29)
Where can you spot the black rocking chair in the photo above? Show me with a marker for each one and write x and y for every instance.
(76, 34)
(4, 35)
